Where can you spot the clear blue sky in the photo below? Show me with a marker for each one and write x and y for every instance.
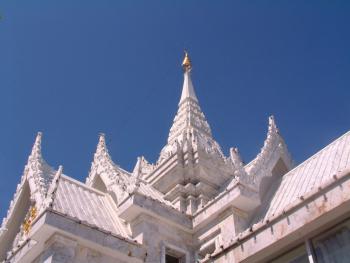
(72, 69)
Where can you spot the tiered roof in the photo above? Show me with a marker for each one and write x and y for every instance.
(191, 170)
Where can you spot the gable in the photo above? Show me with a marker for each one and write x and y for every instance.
(99, 184)
(15, 218)
(309, 175)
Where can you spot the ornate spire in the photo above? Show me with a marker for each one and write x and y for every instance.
(189, 116)
(190, 125)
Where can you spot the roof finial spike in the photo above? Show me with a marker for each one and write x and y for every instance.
(187, 89)
(101, 141)
(235, 156)
(186, 63)
(36, 150)
(272, 124)
(137, 169)
(60, 169)
(101, 148)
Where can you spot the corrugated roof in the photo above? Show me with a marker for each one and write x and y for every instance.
(87, 205)
(310, 174)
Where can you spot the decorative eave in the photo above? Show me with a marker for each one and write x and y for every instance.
(38, 173)
(118, 182)
(13, 202)
(236, 161)
(274, 148)
(39, 176)
(53, 187)
(101, 161)
(238, 165)
(142, 167)
(239, 173)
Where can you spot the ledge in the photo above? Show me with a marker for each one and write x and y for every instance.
(238, 196)
(138, 204)
(304, 217)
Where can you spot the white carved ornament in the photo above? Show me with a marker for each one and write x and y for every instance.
(116, 179)
(273, 149)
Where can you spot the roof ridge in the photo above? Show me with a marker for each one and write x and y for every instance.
(81, 184)
(317, 153)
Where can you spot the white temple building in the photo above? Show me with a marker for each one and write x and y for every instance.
(194, 205)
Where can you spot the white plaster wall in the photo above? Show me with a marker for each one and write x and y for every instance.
(63, 250)
(154, 234)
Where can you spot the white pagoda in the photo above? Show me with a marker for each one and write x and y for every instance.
(194, 205)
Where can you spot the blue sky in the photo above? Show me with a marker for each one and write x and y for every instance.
(72, 69)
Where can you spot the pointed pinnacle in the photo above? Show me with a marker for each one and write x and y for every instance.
(137, 169)
(60, 169)
(53, 185)
(272, 124)
(101, 146)
(188, 89)
(57, 174)
(234, 154)
(102, 139)
(36, 149)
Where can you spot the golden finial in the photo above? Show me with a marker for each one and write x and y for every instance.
(186, 63)
(30, 217)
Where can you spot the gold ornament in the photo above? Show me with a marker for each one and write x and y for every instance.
(31, 215)
(186, 63)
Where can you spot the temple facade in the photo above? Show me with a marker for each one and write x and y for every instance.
(194, 205)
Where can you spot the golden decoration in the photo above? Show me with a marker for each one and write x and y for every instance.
(31, 215)
(186, 64)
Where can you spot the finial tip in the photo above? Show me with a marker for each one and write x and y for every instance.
(186, 63)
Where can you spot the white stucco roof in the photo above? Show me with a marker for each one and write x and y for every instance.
(88, 205)
(310, 174)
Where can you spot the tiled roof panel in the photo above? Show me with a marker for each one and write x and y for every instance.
(310, 174)
(87, 205)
